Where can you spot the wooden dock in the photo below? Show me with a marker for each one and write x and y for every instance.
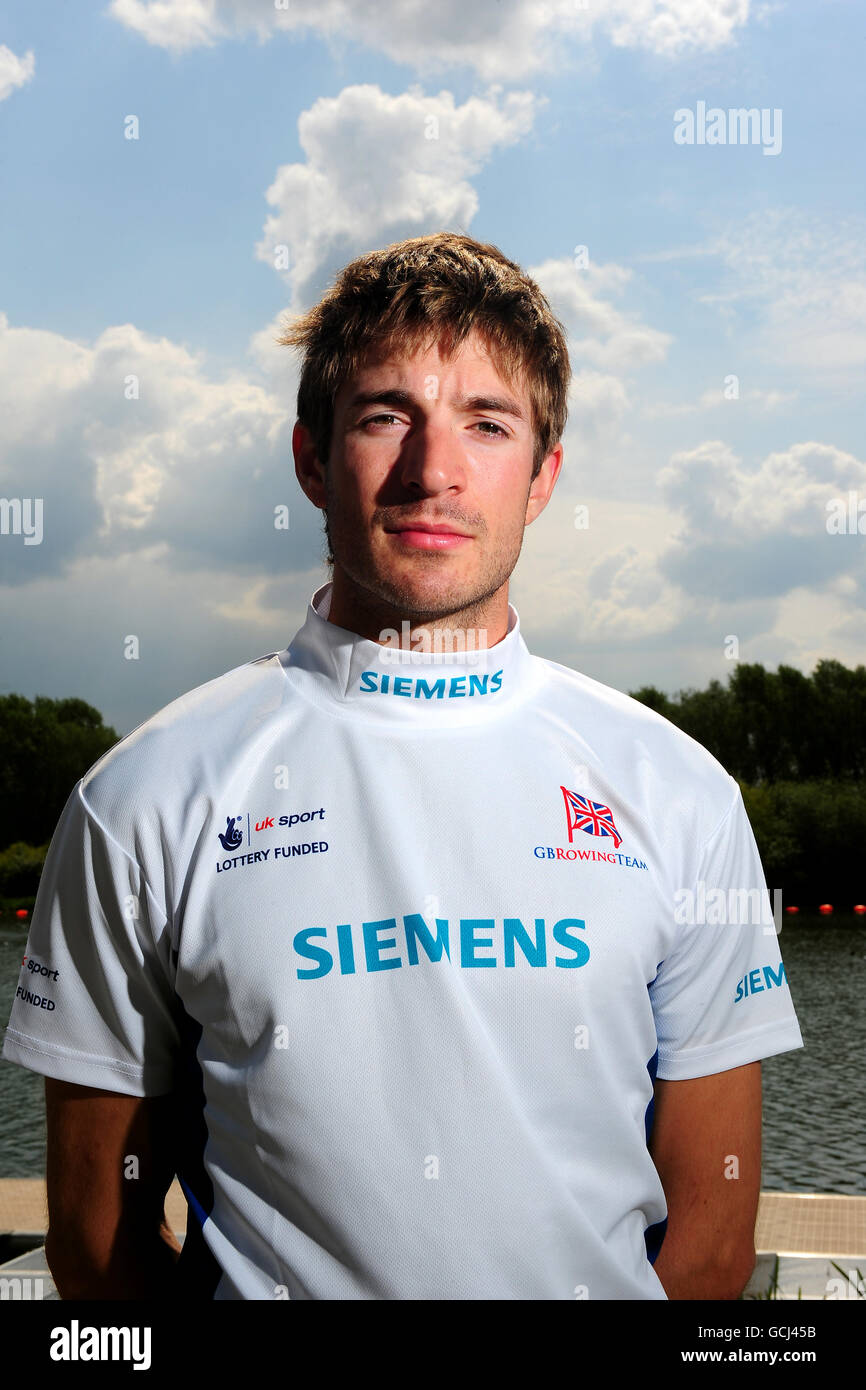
(23, 1208)
(799, 1237)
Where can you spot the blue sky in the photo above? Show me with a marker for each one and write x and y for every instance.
(305, 127)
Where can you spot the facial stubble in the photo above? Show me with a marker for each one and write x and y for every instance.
(348, 548)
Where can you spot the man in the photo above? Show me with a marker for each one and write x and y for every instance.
(376, 941)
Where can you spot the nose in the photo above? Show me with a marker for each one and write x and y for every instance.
(431, 458)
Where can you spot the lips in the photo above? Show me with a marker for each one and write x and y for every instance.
(432, 528)
(426, 535)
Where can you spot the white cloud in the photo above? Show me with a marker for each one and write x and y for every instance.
(762, 400)
(173, 24)
(788, 491)
(605, 346)
(500, 39)
(380, 167)
(676, 26)
(158, 519)
(650, 591)
(631, 598)
(811, 626)
(14, 71)
(68, 637)
(600, 335)
(715, 399)
(796, 282)
(597, 584)
(194, 463)
(597, 405)
(761, 531)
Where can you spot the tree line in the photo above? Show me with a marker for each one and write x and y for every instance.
(776, 726)
(795, 743)
(797, 746)
(45, 746)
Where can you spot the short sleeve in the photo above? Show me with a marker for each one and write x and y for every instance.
(721, 997)
(94, 1004)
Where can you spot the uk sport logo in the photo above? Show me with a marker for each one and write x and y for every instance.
(240, 828)
(592, 817)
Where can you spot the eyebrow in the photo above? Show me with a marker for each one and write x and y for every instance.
(397, 396)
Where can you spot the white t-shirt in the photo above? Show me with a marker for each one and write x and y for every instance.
(410, 936)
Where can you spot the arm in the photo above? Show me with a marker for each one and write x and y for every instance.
(107, 1235)
(699, 1127)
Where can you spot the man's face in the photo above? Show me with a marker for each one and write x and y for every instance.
(428, 485)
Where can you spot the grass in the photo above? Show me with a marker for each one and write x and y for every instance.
(773, 1292)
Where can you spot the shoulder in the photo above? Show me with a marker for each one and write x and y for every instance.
(640, 750)
(175, 756)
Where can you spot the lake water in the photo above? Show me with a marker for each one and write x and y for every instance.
(814, 1112)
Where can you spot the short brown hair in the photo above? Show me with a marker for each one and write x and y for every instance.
(428, 289)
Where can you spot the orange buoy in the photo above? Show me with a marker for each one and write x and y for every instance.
(860, 908)
(21, 912)
(826, 909)
(792, 909)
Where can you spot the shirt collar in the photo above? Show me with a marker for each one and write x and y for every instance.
(362, 679)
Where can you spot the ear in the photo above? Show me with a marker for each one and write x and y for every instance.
(309, 471)
(543, 484)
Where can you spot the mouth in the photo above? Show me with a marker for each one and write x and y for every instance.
(423, 535)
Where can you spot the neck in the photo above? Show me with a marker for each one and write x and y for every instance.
(361, 611)
(449, 681)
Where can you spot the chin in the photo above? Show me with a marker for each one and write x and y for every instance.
(429, 602)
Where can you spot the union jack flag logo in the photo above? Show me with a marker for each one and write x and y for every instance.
(593, 817)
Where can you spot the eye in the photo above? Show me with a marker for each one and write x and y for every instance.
(491, 424)
(376, 419)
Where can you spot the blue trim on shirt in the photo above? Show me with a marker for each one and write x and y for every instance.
(655, 1234)
(198, 1270)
